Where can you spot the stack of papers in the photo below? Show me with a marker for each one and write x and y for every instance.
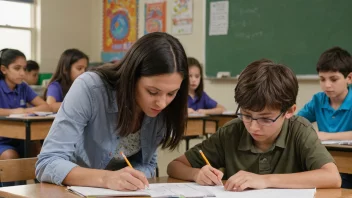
(193, 190)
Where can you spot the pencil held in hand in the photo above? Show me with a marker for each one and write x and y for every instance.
(124, 157)
(207, 162)
(205, 158)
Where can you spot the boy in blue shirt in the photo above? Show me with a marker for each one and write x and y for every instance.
(332, 108)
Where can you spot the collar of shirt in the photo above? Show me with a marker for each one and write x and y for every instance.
(6, 88)
(346, 104)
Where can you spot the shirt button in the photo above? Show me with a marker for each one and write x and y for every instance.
(333, 117)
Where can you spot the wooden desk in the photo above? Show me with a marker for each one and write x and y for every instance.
(223, 118)
(198, 126)
(342, 155)
(51, 190)
(27, 129)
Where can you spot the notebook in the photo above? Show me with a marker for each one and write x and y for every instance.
(160, 190)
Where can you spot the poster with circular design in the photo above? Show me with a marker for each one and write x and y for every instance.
(119, 27)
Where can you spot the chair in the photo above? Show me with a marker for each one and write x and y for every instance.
(17, 169)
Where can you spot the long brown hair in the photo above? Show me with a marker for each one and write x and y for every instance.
(195, 63)
(63, 70)
(153, 54)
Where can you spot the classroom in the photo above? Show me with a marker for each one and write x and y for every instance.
(71, 39)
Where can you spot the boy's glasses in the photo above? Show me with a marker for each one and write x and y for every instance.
(261, 121)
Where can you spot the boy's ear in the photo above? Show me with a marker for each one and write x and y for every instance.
(291, 111)
(349, 78)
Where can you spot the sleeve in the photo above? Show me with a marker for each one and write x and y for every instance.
(213, 150)
(30, 94)
(54, 91)
(313, 154)
(209, 102)
(54, 163)
(308, 111)
(148, 169)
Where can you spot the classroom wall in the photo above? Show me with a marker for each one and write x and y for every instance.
(64, 24)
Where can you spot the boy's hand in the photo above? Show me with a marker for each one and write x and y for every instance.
(243, 180)
(209, 176)
(323, 135)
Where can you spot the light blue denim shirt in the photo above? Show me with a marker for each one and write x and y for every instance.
(84, 133)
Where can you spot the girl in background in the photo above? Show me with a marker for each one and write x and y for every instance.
(14, 96)
(198, 100)
(72, 63)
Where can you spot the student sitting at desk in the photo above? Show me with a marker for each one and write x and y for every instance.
(14, 96)
(72, 63)
(132, 106)
(32, 73)
(198, 100)
(332, 109)
(267, 146)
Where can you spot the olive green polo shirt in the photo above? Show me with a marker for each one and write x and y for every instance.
(296, 149)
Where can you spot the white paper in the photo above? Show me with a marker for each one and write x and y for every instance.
(155, 190)
(340, 142)
(194, 190)
(264, 193)
(219, 18)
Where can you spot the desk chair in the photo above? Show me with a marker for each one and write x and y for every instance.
(17, 169)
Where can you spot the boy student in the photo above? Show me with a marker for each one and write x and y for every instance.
(267, 146)
(332, 108)
(32, 72)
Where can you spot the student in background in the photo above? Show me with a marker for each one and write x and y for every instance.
(14, 96)
(266, 146)
(132, 106)
(332, 108)
(72, 63)
(32, 72)
(198, 100)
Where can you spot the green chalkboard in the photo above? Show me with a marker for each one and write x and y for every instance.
(292, 32)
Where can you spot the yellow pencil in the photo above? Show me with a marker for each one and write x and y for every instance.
(205, 158)
(124, 157)
(130, 165)
(207, 162)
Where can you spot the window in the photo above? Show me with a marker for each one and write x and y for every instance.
(17, 27)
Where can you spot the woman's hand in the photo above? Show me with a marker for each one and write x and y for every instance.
(126, 179)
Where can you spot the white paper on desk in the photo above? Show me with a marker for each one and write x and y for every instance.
(340, 142)
(196, 114)
(219, 18)
(155, 190)
(263, 193)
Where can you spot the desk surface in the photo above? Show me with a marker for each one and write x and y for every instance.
(27, 119)
(337, 147)
(51, 190)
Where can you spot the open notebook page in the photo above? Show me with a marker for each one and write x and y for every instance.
(263, 193)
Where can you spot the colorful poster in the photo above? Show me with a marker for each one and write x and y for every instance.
(119, 28)
(182, 16)
(155, 16)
